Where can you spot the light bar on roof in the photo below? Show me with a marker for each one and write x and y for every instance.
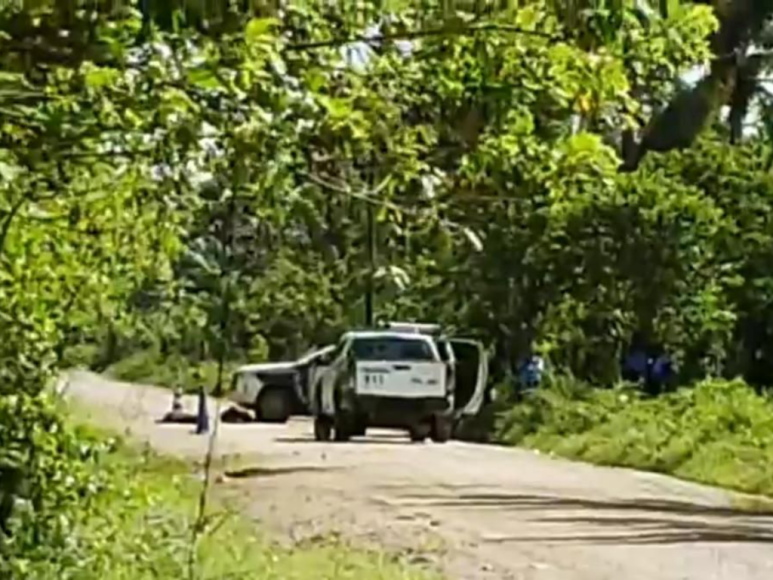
(416, 327)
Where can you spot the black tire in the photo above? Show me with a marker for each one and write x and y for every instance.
(343, 428)
(360, 429)
(442, 429)
(419, 433)
(323, 429)
(273, 406)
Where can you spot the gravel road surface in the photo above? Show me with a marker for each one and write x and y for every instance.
(476, 512)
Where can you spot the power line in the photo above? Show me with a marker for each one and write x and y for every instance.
(369, 196)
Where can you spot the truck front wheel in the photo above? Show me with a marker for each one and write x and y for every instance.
(273, 406)
(360, 427)
(343, 427)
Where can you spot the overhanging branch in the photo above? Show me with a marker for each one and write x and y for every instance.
(424, 33)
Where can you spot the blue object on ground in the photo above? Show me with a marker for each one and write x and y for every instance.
(202, 418)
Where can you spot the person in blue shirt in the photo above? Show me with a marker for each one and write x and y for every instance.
(636, 362)
(530, 372)
(660, 373)
(635, 365)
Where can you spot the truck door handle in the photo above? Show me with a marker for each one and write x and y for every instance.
(402, 367)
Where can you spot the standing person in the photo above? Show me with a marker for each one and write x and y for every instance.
(636, 361)
(661, 372)
(531, 371)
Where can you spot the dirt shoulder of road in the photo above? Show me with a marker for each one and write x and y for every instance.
(475, 512)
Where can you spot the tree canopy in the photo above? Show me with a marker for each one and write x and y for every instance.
(223, 180)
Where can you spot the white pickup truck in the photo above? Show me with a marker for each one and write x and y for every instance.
(403, 377)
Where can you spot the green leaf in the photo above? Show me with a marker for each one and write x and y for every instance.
(204, 78)
(8, 172)
(99, 77)
(12, 78)
(260, 30)
(175, 99)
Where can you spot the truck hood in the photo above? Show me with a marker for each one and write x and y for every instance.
(268, 367)
(286, 366)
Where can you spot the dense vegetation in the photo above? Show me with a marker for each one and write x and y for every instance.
(138, 528)
(719, 433)
(210, 181)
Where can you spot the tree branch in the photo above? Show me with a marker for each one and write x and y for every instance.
(368, 197)
(425, 33)
(8, 219)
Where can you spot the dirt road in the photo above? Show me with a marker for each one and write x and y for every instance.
(477, 512)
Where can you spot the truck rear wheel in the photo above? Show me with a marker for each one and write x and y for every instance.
(419, 432)
(323, 429)
(442, 429)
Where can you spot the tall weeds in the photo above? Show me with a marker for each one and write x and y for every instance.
(717, 432)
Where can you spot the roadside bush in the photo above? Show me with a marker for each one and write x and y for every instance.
(479, 428)
(139, 522)
(49, 475)
(717, 432)
(152, 368)
(561, 407)
(80, 356)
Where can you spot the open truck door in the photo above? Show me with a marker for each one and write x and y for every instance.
(310, 368)
(471, 363)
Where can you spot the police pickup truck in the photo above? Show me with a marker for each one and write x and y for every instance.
(404, 376)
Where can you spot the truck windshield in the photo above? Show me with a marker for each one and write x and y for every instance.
(392, 349)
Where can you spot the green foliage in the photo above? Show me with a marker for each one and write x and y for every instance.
(139, 526)
(150, 367)
(718, 432)
(49, 476)
(193, 184)
(484, 145)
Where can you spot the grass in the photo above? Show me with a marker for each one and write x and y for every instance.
(754, 504)
(139, 527)
(717, 432)
(151, 367)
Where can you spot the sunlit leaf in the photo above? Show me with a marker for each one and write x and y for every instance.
(260, 29)
(100, 77)
(204, 78)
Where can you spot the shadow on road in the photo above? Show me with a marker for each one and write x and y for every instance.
(249, 472)
(380, 440)
(548, 502)
(635, 521)
(655, 530)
